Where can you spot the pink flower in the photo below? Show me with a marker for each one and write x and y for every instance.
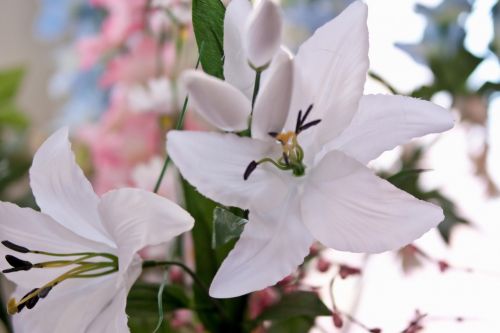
(119, 142)
(90, 50)
(140, 63)
(124, 18)
(261, 300)
(181, 318)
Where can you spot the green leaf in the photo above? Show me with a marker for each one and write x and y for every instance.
(11, 117)
(402, 176)
(208, 261)
(208, 25)
(299, 303)
(226, 227)
(489, 88)
(143, 299)
(292, 325)
(10, 81)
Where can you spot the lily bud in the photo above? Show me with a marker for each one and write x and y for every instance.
(263, 33)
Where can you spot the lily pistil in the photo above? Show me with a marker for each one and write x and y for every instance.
(293, 155)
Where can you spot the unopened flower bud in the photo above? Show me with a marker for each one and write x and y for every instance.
(346, 271)
(337, 319)
(443, 266)
(263, 33)
(323, 265)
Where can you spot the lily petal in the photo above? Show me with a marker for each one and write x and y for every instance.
(334, 63)
(384, 122)
(263, 33)
(347, 207)
(272, 104)
(39, 232)
(271, 247)
(215, 163)
(137, 218)
(237, 72)
(217, 101)
(70, 307)
(113, 318)
(62, 191)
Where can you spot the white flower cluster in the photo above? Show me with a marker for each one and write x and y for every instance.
(299, 133)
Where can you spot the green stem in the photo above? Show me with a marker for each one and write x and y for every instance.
(178, 126)
(381, 80)
(256, 86)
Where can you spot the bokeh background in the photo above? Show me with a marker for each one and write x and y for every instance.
(63, 63)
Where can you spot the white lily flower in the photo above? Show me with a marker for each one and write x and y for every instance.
(302, 174)
(75, 261)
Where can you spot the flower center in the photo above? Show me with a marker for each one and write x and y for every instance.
(293, 155)
(80, 265)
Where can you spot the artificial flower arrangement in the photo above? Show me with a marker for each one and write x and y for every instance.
(279, 165)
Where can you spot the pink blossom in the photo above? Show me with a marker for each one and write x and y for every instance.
(124, 18)
(261, 300)
(181, 318)
(119, 142)
(140, 63)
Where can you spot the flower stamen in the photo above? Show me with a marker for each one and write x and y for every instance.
(88, 265)
(293, 154)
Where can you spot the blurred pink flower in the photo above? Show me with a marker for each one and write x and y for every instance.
(181, 318)
(261, 300)
(140, 63)
(124, 18)
(119, 142)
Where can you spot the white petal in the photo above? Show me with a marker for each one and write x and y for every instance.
(113, 318)
(263, 33)
(38, 232)
(237, 72)
(217, 101)
(136, 218)
(384, 122)
(347, 207)
(273, 101)
(333, 63)
(214, 163)
(71, 306)
(271, 247)
(62, 191)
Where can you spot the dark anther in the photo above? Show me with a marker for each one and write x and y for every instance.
(299, 122)
(30, 304)
(250, 168)
(44, 292)
(310, 124)
(25, 304)
(273, 134)
(15, 247)
(20, 307)
(307, 113)
(301, 119)
(17, 264)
